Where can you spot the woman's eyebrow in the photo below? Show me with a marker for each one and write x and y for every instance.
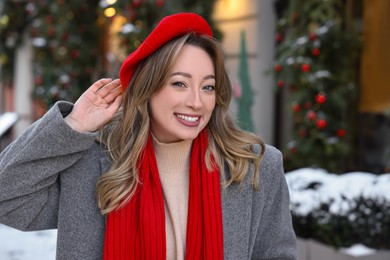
(184, 74)
(187, 75)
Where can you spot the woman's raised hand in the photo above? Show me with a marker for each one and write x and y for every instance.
(96, 106)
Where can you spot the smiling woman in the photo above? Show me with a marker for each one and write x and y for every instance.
(151, 166)
(183, 107)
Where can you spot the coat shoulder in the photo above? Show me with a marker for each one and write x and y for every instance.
(271, 153)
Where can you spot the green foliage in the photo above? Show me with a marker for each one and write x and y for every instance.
(366, 222)
(316, 59)
(66, 40)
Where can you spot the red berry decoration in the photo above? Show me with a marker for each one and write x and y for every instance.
(341, 133)
(302, 133)
(316, 52)
(307, 105)
(311, 115)
(321, 98)
(34, 32)
(293, 149)
(159, 3)
(137, 3)
(305, 67)
(38, 80)
(296, 107)
(321, 123)
(49, 19)
(312, 37)
(75, 54)
(278, 68)
(280, 83)
(279, 37)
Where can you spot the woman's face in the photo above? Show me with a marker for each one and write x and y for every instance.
(183, 107)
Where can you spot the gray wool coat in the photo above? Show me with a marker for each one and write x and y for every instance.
(48, 178)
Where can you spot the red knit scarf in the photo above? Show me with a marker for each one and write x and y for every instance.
(137, 230)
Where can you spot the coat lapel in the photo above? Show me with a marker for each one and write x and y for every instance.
(237, 215)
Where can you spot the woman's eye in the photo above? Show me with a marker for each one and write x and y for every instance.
(209, 88)
(178, 84)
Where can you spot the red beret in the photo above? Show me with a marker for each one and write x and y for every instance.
(169, 28)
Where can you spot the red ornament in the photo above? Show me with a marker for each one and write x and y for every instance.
(296, 107)
(279, 37)
(159, 3)
(278, 68)
(137, 3)
(34, 32)
(321, 123)
(311, 115)
(65, 36)
(321, 98)
(38, 80)
(316, 52)
(51, 31)
(312, 37)
(302, 133)
(280, 83)
(305, 67)
(75, 54)
(341, 133)
(293, 149)
(49, 19)
(307, 104)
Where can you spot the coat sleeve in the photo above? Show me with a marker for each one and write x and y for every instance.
(275, 238)
(30, 169)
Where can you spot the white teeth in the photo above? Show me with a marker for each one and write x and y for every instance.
(188, 118)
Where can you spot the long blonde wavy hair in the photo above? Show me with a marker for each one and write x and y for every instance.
(126, 135)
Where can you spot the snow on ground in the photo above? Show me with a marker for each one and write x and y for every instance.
(358, 250)
(18, 245)
(310, 187)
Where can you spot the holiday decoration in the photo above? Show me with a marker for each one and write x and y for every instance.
(316, 56)
(280, 83)
(67, 48)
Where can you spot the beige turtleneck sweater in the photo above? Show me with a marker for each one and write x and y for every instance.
(173, 166)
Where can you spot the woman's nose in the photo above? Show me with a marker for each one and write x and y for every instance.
(194, 99)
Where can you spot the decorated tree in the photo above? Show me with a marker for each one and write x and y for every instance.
(316, 60)
(66, 37)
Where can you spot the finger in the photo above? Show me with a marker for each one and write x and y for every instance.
(113, 108)
(108, 88)
(110, 97)
(100, 83)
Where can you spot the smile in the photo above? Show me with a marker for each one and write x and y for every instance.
(188, 118)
